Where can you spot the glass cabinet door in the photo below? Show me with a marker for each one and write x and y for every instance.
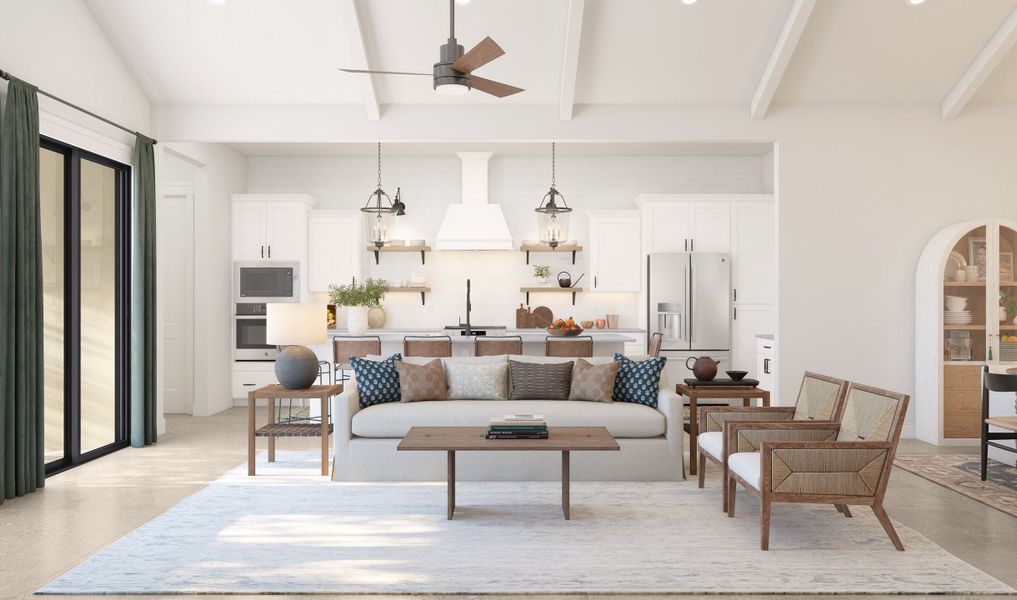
(964, 299)
(1006, 352)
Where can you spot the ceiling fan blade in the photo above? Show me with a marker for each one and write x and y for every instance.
(384, 72)
(478, 56)
(495, 88)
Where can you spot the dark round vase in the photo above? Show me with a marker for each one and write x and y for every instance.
(296, 367)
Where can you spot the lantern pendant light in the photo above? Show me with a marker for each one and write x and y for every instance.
(553, 212)
(380, 211)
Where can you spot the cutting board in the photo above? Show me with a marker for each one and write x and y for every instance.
(542, 317)
(524, 318)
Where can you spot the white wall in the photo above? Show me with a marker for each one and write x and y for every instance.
(517, 183)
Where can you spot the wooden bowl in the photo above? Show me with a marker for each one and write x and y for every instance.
(586, 324)
(564, 332)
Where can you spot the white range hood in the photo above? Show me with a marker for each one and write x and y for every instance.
(474, 224)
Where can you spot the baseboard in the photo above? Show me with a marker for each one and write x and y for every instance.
(908, 431)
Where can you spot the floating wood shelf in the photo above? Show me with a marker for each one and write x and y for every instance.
(377, 250)
(572, 247)
(422, 290)
(971, 327)
(551, 290)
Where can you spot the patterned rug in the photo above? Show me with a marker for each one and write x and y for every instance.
(962, 474)
(290, 531)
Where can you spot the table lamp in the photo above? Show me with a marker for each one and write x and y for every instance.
(292, 326)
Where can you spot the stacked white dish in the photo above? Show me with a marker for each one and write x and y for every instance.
(955, 313)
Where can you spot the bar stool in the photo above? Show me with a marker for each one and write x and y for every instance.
(653, 348)
(495, 345)
(346, 346)
(434, 346)
(580, 346)
(996, 382)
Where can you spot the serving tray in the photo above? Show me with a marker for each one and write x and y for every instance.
(722, 383)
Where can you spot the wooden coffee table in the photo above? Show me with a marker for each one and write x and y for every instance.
(461, 439)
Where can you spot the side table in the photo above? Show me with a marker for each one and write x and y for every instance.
(273, 430)
(747, 394)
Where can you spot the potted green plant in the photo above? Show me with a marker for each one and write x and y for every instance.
(1012, 307)
(542, 272)
(359, 299)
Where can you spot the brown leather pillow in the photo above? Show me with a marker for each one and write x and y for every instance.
(594, 383)
(421, 382)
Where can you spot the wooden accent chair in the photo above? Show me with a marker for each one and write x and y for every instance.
(435, 346)
(653, 348)
(346, 346)
(580, 346)
(821, 463)
(820, 398)
(495, 345)
(996, 382)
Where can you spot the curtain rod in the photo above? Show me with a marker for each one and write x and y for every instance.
(7, 76)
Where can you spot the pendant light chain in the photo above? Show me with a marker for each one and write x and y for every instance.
(553, 169)
(379, 165)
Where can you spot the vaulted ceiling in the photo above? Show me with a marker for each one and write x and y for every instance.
(573, 51)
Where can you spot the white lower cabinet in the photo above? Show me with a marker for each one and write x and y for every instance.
(249, 376)
(766, 367)
(748, 321)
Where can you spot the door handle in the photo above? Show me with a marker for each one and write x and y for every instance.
(692, 245)
(263, 251)
(766, 366)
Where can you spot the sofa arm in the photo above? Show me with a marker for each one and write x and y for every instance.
(748, 436)
(712, 418)
(344, 406)
(825, 468)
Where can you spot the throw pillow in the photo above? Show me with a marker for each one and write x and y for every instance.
(377, 381)
(534, 381)
(476, 381)
(421, 382)
(594, 383)
(638, 381)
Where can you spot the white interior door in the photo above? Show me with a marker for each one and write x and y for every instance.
(176, 272)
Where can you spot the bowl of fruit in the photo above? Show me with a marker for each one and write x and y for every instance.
(564, 328)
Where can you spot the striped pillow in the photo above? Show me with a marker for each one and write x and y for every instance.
(535, 381)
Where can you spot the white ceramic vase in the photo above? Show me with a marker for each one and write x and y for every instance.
(356, 319)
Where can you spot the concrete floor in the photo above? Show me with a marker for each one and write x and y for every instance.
(83, 510)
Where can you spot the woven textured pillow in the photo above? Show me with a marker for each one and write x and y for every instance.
(534, 381)
(476, 381)
(637, 382)
(377, 381)
(421, 382)
(593, 383)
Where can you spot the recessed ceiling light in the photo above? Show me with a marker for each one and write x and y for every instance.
(462, 1)
(217, 2)
(687, 2)
(916, 2)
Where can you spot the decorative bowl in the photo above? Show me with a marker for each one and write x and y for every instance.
(586, 324)
(564, 332)
(737, 375)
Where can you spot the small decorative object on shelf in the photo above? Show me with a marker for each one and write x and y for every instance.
(542, 272)
(358, 298)
(330, 316)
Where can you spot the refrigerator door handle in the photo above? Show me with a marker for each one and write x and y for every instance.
(689, 275)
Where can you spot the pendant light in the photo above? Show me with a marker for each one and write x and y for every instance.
(380, 211)
(553, 212)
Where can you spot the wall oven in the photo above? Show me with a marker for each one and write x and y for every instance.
(249, 325)
(266, 281)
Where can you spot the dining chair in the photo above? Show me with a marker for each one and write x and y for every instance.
(579, 346)
(495, 345)
(346, 346)
(436, 346)
(996, 382)
(653, 348)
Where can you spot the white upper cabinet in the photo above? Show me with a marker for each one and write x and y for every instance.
(710, 227)
(284, 229)
(248, 230)
(270, 226)
(333, 248)
(754, 253)
(614, 250)
(675, 223)
(667, 227)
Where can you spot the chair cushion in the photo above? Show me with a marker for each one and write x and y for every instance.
(746, 465)
(468, 380)
(623, 420)
(712, 443)
(421, 382)
(534, 381)
(377, 381)
(638, 382)
(592, 382)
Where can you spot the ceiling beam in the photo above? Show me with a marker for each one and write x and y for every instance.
(350, 19)
(570, 68)
(797, 18)
(983, 65)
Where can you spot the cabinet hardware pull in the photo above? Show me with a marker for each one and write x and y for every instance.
(766, 366)
(270, 250)
(692, 244)
(594, 281)
(768, 347)
(736, 313)
(736, 294)
(263, 251)
(248, 385)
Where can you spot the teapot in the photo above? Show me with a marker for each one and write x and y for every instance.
(705, 368)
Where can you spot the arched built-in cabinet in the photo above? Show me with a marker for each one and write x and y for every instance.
(965, 318)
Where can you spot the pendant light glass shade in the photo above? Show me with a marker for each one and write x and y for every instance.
(553, 212)
(379, 212)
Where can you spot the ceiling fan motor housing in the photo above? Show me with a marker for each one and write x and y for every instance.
(444, 74)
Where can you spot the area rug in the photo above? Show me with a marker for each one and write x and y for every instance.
(962, 474)
(288, 531)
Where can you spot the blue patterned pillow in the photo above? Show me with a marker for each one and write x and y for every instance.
(638, 381)
(377, 381)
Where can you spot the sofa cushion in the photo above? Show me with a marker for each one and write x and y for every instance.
(533, 381)
(421, 382)
(474, 380)
(638, 382)
(593, 383)
(394, 420)
(377, 381)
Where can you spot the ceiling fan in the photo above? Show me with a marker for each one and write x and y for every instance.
(453, 73)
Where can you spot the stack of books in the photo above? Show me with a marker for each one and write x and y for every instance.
(518, 427)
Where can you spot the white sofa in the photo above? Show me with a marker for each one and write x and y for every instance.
(365, 439)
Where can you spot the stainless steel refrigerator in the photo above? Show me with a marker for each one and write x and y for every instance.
(689, 302)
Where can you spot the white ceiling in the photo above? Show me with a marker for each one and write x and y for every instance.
(645, 51)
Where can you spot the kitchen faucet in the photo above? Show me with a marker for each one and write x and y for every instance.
(469, 307)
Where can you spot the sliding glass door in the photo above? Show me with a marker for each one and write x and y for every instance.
(84, 205)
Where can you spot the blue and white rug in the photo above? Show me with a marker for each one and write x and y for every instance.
(289, 531)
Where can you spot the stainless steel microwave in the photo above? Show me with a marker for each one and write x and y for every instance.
(266, 281)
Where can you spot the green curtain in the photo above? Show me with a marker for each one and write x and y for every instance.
(22, 456)
(143, 325)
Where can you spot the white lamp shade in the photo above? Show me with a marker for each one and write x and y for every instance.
(296, 324)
